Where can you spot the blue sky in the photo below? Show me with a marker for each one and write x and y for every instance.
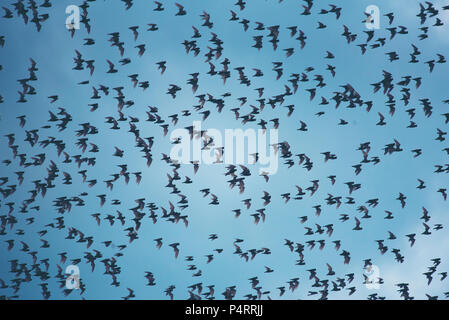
(53, 49)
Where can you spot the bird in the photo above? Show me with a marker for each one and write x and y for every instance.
(181, 11)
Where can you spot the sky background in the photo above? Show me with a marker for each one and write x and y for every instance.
(53, 49)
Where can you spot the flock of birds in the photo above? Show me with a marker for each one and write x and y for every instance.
(68, 155)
